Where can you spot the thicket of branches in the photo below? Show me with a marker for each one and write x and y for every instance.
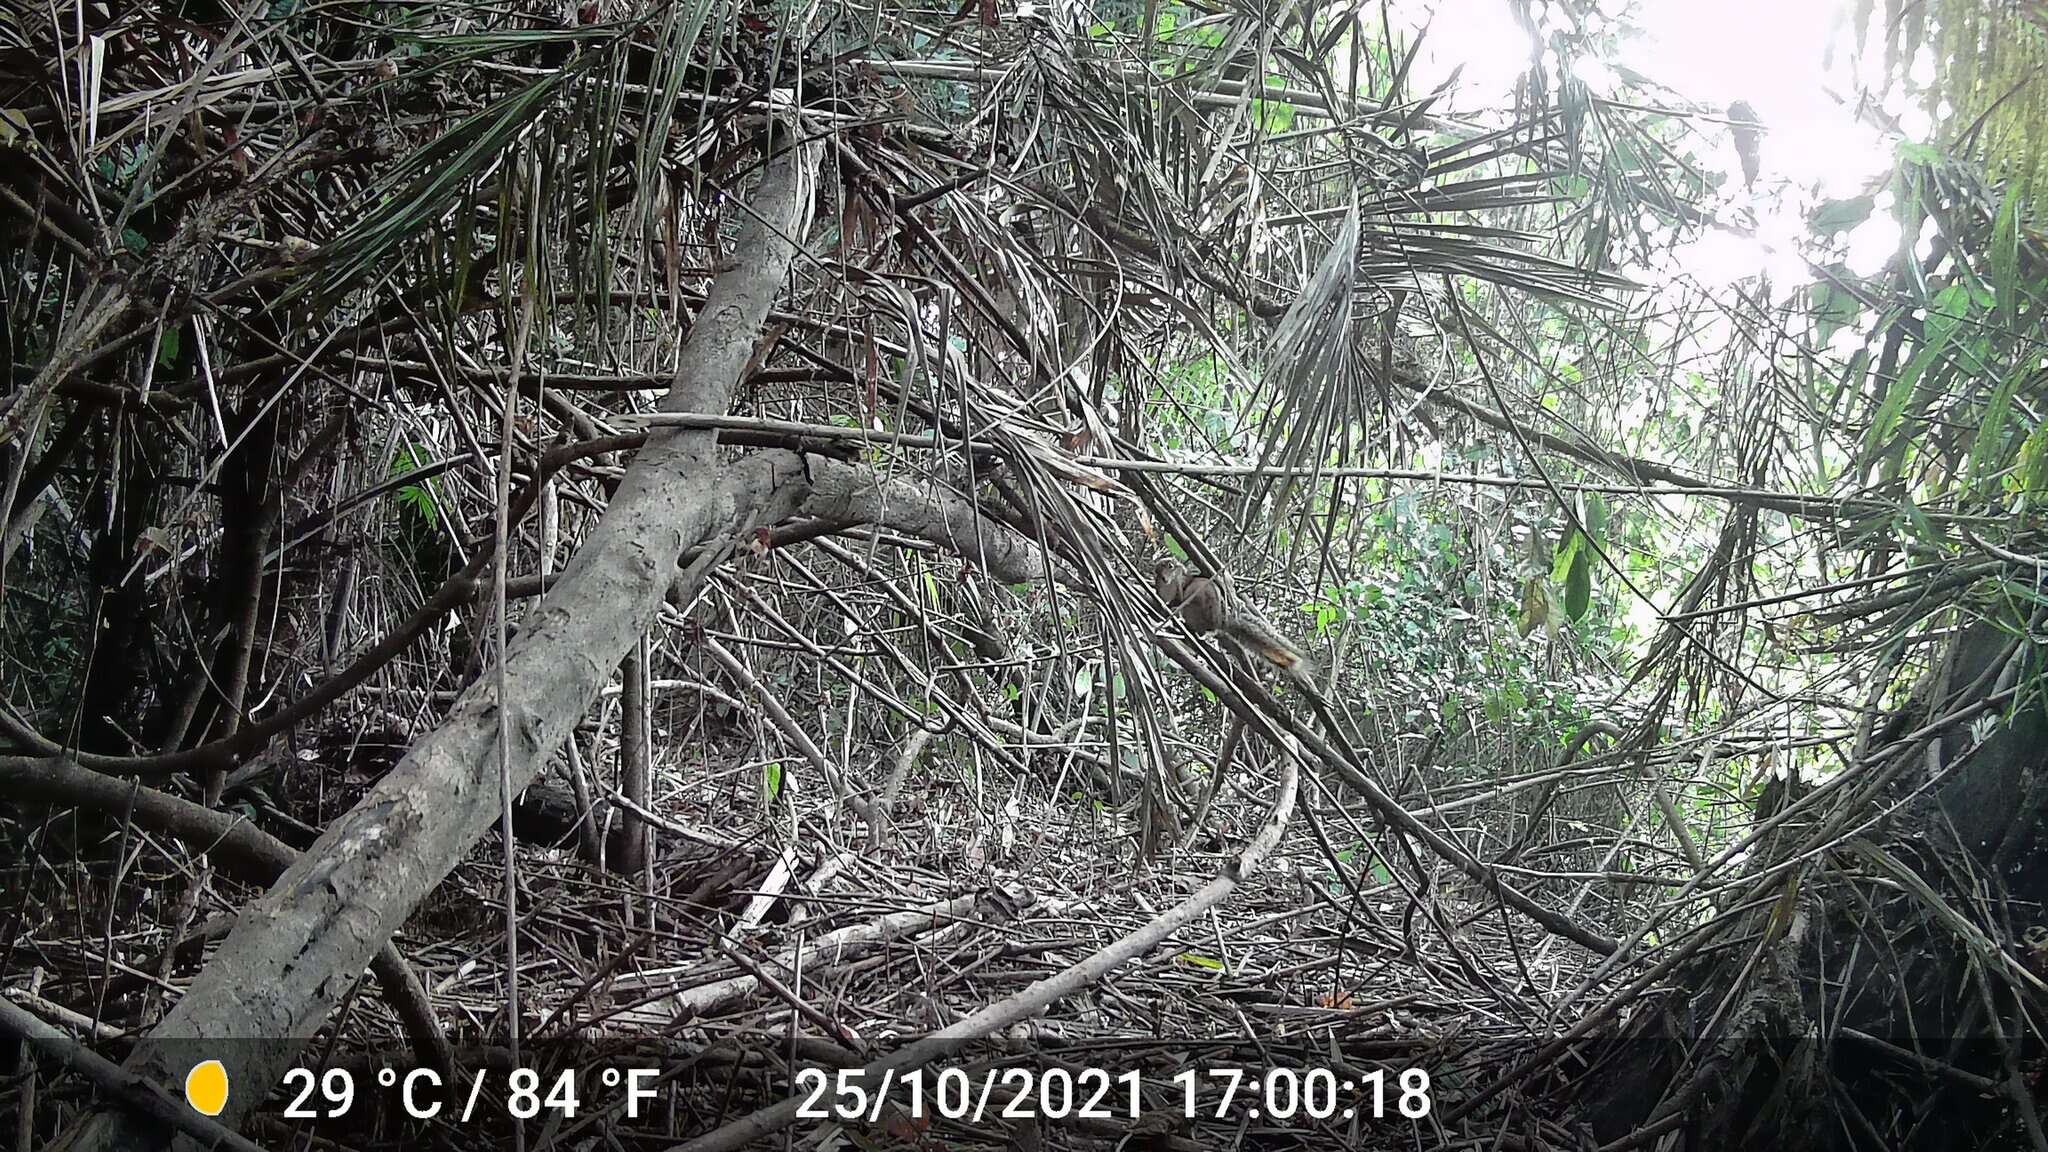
(797, 399)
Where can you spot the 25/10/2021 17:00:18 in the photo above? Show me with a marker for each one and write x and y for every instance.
(1013, 1093)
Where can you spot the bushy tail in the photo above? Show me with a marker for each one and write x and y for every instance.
(1271, 647)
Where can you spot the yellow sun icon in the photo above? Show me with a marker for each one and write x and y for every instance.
(206, 1087)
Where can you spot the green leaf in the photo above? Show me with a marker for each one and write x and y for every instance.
(1596, 517)
(1561, 564)
(1893, 407)
(1834, 216)
(167, 347)
(1917, 520)
(1987, 448)
(2033, 466)
(417, 498)
(1201, 961)
(1832, 309)
(1952, 306)
(1914, 152)
(2021, 591)
(2005, 257)
(1578, 584)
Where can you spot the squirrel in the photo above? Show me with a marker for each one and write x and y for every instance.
(1205, 609)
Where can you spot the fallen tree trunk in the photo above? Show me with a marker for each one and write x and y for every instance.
(297, 950)
(244, 851)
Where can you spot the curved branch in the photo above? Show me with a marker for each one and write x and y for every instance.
(287, 963)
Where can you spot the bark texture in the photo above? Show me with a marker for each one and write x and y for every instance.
(297, 951)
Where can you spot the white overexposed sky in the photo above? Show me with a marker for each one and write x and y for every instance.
(1699, 56)
(1709, 53)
